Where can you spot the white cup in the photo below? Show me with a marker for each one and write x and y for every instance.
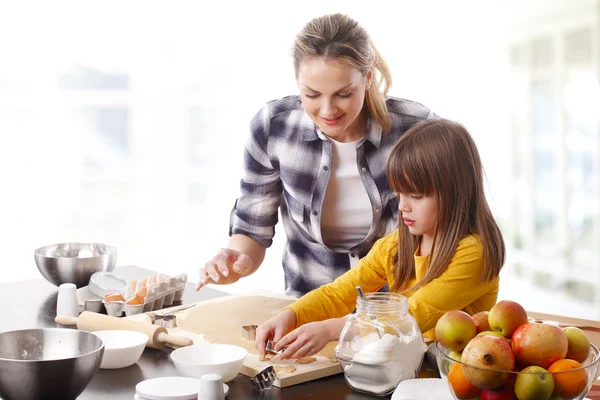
(211, 387)
(67, 303)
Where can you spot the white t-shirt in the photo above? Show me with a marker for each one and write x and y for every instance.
(345, 196)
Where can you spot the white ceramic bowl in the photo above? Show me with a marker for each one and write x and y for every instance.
(121, 348)
(207, 358)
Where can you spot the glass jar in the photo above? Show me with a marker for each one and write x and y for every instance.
(380, 345)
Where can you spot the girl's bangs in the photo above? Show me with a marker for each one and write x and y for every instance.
(407, 175)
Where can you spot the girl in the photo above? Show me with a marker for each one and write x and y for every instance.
(445, 255)
(319, 158)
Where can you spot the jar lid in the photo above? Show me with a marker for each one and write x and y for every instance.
(168, 388)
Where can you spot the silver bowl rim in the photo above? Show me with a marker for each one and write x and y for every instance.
(111, 250)
(101, 348)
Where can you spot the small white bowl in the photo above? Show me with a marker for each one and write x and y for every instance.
(208, 358)
(121, 348)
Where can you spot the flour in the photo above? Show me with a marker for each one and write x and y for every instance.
(380, 364)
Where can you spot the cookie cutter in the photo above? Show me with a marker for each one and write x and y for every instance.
(264, 379)
(170, 311)
(167, 318)
(167, 321)
(270, 348)
(249, 332)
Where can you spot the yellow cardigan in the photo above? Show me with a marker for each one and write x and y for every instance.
(458, 288)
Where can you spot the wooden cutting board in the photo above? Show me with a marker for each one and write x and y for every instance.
(220, 321)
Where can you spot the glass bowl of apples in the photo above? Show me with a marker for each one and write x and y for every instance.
(492, 367)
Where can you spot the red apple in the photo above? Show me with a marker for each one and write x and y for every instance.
(506, 316)
(481, 321)
(492, 356)
(498, 394)
(504, 392)
(539, 344)
(454, 330)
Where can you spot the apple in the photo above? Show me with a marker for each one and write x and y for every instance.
(455, 355)
(498, 394)
(492, 356)
(539, 344)
(579, 344)
(454, 330)
(481, 321)
(504, 392)
(506, 316)
(534, 383)
(491, 333)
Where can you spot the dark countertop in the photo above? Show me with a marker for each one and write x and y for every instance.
(36, 308)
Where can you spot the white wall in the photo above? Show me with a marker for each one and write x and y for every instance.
(226, 58)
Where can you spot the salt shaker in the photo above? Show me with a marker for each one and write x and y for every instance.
(211, 387)
(67, 303)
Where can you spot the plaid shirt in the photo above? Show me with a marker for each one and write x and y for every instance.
(287, 164)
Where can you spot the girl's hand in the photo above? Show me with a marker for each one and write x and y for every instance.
(228, 266)
(307, 340)
(274, 329)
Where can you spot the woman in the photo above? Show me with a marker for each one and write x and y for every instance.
(320, 157)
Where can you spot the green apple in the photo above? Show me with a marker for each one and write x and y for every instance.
(579, 344)
(447, 364)
(455, 355)
(534, 383)
(491, 333)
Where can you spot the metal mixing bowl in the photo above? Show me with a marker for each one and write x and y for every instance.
(47, 363)
(74, 262)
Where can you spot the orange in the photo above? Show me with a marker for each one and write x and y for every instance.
(463, 389)
(568, 383)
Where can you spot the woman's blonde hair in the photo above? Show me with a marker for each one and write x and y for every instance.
(439, 157)
(339, 37)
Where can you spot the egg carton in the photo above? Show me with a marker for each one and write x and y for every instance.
(158, 296)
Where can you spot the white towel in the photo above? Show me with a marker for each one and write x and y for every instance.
(423, 389)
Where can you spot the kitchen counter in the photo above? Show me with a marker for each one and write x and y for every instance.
(32, 304)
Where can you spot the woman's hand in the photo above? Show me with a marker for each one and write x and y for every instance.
(308, 339)
(274, 329)
(228, 266)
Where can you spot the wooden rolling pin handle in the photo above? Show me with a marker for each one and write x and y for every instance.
(66, 320)
(180, 341)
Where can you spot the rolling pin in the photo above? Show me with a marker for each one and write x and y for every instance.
(89, 321)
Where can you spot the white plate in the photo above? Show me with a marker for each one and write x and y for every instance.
(102, 283)
(170, 388)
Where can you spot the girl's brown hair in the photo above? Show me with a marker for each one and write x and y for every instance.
(439, 157)
(339, 37)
